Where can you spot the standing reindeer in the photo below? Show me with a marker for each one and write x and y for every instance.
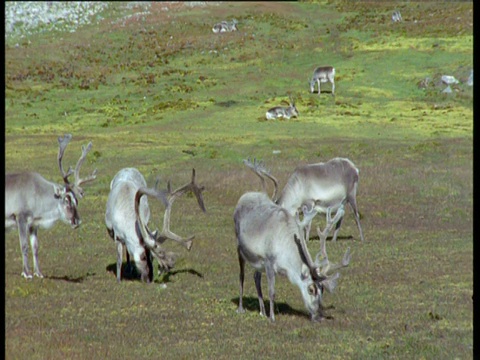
(127, 217)
(31, 202)
(282, 112)
(323, 74)
(272, 240)
(324, 186)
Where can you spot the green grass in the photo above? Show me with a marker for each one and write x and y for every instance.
(164, 94)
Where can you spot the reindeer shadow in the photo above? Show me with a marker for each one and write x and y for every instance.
(326, 91)
(165, 277)
(329, 238)
(130, 273)
(67, 278)
(250, 303)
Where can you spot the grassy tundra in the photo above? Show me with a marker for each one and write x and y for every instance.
(156, 89)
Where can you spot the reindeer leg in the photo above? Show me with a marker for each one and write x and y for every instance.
(337, 229)
(258, 279)
(241, 261)
(119, 246)
(338, 217)
(22, 233)
(34, 245)
(331, 222)
(353, 205)
(271, 288)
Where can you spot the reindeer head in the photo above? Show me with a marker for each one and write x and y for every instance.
(311, 82)
(75, 187)
(154, 239)
(292, 109)
(318, 274)
(69, 205)
(71, 192)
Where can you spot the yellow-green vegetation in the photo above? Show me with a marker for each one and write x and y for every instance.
(161, 92)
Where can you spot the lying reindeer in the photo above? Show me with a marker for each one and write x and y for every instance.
(225, 26)
(272, 240)
(31, 202)
(127, 217)
(278, 112)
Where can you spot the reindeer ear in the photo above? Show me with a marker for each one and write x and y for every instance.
(330, 283)
(58, 192)
(305, 272)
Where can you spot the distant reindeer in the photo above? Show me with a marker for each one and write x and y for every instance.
(225, 26)
(272, 240)
(323, 74)
(127, 217)
(396, 16)
(282, 112)
(31, 202)
(324, 186)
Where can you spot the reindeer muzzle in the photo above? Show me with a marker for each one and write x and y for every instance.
(75, 223)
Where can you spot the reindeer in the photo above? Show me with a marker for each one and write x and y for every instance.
(31, 202)
(225, 26)
(396, 16)
(282, 112)
(272, 240)
(323, 74)
(127, 217)
(324, 186)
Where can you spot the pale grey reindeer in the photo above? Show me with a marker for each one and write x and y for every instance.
(127, 216)
(31, 202)
(323, 74)
(272, 240)
(325, 186)
(225, 26)
(278, 112)
(396, 16)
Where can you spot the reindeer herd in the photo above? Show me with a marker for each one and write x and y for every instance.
(270, 235)
(321, 74)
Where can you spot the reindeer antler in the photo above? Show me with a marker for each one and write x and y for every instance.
(166, 233)
(260, 170)
(62, 145)
(63, 142)
(166, 260)
(323, 266)
(78, 179)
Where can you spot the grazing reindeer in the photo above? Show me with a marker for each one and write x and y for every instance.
(127, 216)
(282, 112)
(31, 202)
(272, 240)
(323, 74)
(225, 26)
(326, 187)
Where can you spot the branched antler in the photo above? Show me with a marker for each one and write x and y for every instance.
(63, 142)
(258, 167)
(62, 145)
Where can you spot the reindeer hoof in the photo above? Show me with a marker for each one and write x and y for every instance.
(241, 311)
(39, 274)
(189, 244)
(27, 275)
